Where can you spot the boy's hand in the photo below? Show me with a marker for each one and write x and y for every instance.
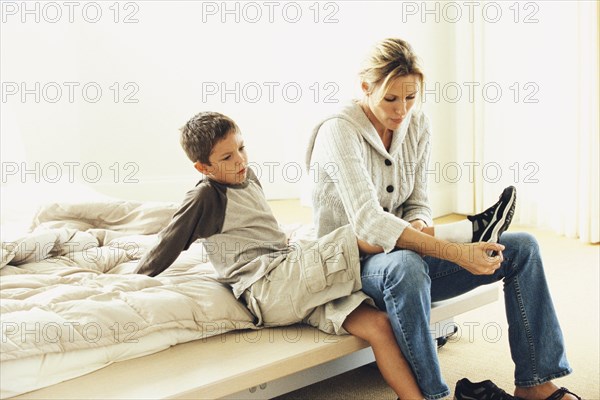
(475, 257)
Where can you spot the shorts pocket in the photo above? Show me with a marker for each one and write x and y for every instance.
(270, 306)
(323, 266)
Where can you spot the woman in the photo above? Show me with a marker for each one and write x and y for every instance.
(372, 161)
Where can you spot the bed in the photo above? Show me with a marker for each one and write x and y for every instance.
(76, 323)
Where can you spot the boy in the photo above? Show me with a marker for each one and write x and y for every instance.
(244, 242)
(317, 282)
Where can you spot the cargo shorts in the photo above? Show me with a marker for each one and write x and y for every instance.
(318, 283)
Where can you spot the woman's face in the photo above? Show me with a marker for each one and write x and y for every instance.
(389, 112)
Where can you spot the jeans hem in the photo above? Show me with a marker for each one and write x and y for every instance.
(445, 393)
(541, 381)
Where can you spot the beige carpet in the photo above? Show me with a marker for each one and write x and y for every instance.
(480, 349)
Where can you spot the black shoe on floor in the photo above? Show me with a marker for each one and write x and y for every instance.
(490, 224)
(486, 390)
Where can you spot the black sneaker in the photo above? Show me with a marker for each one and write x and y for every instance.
(490, 224)
(486, 390)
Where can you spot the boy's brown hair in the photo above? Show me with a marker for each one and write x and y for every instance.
(202, 132)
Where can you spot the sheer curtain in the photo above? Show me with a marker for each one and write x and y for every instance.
(537, 122)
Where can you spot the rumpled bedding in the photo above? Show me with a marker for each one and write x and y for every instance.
(68, 284)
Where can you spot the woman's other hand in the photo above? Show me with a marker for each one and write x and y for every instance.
(418, 224)
(476, 258)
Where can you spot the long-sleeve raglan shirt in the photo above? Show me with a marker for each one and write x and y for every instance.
(358, 181)
(237, 227)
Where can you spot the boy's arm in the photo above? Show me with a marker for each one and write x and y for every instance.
(198, 217)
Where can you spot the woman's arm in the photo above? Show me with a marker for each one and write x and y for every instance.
(339, 144)
(471, 256)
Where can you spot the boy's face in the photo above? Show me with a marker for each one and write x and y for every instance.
(228, 160)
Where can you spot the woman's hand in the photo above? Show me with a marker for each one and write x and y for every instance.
(475, 257)
(418, 224)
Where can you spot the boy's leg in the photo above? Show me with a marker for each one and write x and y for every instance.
(487, 226)
(374, 326)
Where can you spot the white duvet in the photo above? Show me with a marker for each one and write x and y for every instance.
(67, 288)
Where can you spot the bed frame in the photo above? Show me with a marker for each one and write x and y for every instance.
(250, 364)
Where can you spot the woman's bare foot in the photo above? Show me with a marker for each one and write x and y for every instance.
(542, 391)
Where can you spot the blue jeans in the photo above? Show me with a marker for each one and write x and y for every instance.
(404, 284)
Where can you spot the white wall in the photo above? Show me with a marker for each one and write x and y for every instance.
(172, 52)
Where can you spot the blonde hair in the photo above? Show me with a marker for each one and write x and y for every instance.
(390, 59)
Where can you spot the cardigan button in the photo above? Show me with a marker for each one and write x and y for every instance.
(388, 162)
(390, 189)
